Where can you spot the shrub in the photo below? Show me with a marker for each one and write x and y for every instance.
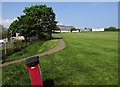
(111, 29)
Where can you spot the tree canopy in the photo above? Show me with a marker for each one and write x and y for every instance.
(112, 29)
(37, 20)
(74, 29)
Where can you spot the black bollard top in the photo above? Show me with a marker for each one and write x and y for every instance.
(31, 62)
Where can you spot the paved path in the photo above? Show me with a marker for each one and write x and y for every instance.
(60, 45)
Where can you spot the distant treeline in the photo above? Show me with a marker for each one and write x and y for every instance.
(112, 29)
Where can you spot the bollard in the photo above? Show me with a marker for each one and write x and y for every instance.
(32, 65)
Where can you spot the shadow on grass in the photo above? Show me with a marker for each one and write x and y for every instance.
(48, 83)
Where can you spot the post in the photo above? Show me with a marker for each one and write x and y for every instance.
(6, 45)
(5, 48)
(32, 65)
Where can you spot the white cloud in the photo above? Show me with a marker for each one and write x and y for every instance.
(59, 23)
(6, 22)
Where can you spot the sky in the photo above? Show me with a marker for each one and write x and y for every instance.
(77, 14)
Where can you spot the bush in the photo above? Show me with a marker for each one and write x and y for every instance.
(111, 29)
(74, 29)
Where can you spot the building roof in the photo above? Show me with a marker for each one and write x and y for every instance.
(63, 27)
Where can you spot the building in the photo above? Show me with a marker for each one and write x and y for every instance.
(64, 28)
(97, 29)
(74, 31)
(84, 30)
(17, 37)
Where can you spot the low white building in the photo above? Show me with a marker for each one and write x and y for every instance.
(84, 30)
(97, 29)
(58, 31)
(65, 31)
(64, 28)
(75, 31)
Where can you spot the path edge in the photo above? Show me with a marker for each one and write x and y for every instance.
(60, 46)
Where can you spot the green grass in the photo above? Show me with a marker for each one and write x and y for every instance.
(34, 48)
(88, 59)
(15, 75)
(13, 47)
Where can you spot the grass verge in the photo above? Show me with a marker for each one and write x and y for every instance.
(35, 48)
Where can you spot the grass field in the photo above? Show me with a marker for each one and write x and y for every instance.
(89, 59)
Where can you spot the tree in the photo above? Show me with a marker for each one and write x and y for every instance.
(26, 27)
(5, 34)
(37, 20)
(13, 27)
(119, 29)
(111, 29)
(78, 29)
(57, 28)
(72, 29)
(42, 19)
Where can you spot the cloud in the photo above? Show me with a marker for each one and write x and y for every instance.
(59, 23)
(6, 22)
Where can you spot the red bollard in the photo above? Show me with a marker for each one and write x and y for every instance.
(32, 65)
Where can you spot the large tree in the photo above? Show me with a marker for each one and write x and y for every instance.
(37, 20)
(42, 19)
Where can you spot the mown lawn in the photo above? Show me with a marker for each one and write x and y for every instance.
(89, 59)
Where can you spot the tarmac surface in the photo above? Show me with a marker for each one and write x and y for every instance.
(60, 45)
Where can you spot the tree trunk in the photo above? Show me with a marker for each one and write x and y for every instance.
(50, 34)
(39, 36)
(26, 40)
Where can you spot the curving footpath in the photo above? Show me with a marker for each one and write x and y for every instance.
(60, 45)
